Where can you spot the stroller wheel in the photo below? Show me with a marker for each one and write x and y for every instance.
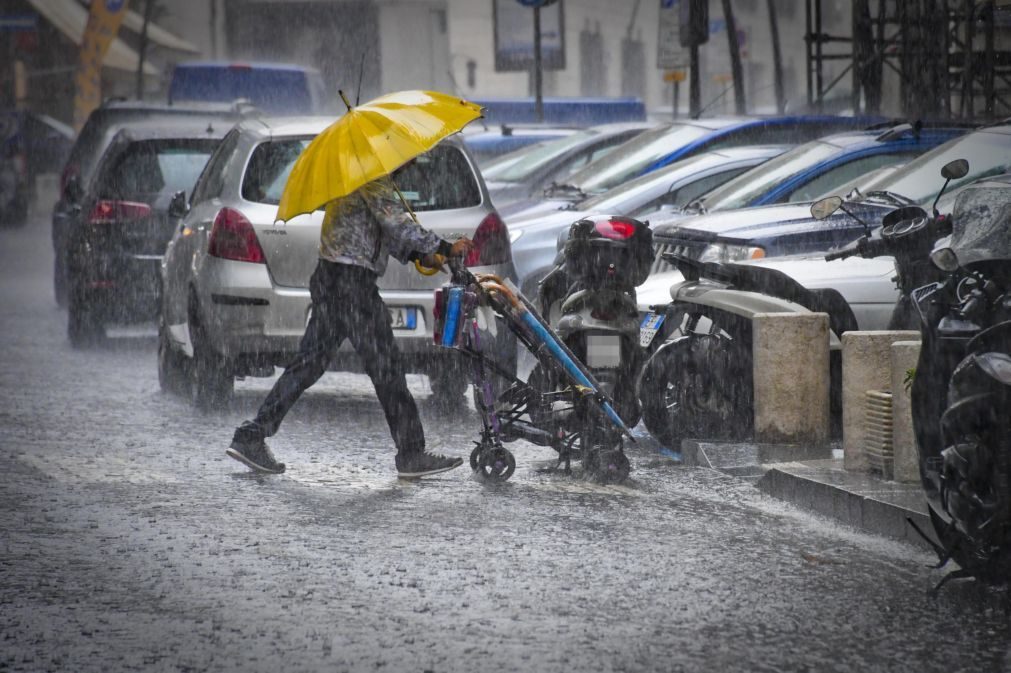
(495, 464)
(612, 466)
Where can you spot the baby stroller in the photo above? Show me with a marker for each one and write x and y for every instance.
(575, 417)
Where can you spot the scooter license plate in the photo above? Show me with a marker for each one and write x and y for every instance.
(603, 351)
(649, 327)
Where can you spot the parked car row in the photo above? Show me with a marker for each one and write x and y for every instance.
(760, 216)
(168, 213)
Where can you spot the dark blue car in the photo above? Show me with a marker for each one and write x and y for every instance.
(665, 145)
(818, 167)
(774, 230)
(275, 88)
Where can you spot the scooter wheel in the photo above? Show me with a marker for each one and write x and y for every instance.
(496, 464)
(612, 466)
(475, 457)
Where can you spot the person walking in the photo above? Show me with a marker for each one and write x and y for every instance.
(359, 233)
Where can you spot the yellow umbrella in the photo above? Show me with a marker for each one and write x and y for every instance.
(368, 142)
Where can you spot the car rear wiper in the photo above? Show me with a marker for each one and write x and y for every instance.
(566, 189)
(897, 199)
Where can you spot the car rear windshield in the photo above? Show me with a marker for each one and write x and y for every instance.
(988, 153)
(441, 179)
(533, 158)
(636, 156)
(149, 167)
(748, 186)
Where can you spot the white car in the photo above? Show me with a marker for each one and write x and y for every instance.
(236, 283)
(865, 284)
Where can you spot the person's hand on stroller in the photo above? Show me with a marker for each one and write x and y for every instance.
(435, 261)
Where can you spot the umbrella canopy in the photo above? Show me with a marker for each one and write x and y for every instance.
(369, 142)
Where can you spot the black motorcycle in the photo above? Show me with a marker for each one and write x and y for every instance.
(961, 392)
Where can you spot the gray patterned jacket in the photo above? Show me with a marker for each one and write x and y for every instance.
(367, 226)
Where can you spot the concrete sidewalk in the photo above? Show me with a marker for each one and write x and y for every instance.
(815, 481)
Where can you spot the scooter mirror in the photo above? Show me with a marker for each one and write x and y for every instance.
(825, 207)
(955, 170)
(945, 259)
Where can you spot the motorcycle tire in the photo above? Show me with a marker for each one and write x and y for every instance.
(697, 386)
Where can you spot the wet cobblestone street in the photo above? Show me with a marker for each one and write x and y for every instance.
(131, 542)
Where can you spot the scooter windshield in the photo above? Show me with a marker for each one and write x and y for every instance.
(981, 224)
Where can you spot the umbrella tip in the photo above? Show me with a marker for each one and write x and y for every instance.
(344, 98)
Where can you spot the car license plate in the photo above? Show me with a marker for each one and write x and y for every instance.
(649, 327)
(603, 350)
(403, 317)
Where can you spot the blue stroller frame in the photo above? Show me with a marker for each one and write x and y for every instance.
(574, 416)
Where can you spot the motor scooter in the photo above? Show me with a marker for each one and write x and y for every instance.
(961, 390)
(589, 300)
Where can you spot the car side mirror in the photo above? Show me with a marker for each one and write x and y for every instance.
(73, 191)
(178, 207)
(955, 170)
(824, 208)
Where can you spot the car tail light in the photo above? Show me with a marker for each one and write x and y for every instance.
(107, 212)
(233, 237)
(617, 230)
(491, 243)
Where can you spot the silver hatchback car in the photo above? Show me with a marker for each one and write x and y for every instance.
(236, 284)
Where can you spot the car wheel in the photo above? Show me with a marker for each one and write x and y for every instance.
(172, 375)
(211, 381)
(83, 325)
(697, 387)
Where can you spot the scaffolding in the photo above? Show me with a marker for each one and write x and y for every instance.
(943, 52)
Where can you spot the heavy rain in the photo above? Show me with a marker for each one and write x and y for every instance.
(505, 335)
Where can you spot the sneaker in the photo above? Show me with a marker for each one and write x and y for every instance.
(424, 464)
(249, 448)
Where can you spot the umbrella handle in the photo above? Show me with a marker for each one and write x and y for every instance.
(425, 270)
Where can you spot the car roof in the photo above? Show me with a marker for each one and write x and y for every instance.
(295, 126)
(900, 133)
(240, 65)
(184, 127)
(302, 125)
(750, 151)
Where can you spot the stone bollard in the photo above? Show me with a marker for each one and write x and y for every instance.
(866, 365)
(907, 465)
(791, 378)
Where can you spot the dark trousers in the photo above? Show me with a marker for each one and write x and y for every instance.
(346, 304)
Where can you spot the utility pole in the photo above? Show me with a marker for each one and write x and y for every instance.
(777, 59)
(694, 86)
(538, 75)
(694, 31)
(740, 105)
(142, 48)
